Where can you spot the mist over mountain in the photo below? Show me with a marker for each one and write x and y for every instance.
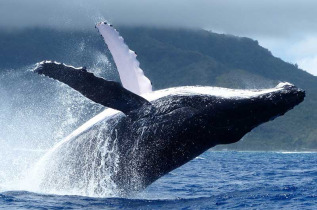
(172, 57)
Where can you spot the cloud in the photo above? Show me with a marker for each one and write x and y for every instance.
(305, 47)
(280, 25)
(309, 64)
(305, 54)
(302, 51)
(270, 17)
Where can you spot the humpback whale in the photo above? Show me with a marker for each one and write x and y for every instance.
(145, 134)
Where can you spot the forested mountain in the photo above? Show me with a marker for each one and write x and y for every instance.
(178, 57)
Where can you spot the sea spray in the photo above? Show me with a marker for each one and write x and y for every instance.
(35, 113)
(82, 164)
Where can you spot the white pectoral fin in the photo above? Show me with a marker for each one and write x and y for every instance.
(131, 75)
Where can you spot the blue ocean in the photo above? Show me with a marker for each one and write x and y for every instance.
(214, 180)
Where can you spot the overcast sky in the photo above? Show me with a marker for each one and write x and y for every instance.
(288, 28)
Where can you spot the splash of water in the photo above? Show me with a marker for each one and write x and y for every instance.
(81, 164)
(35, 114)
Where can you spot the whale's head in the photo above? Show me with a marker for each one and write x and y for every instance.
(238, 115)
(222, 116)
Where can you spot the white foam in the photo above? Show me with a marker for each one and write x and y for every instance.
(297, 152)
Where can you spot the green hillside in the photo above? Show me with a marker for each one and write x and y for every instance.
(178, 57)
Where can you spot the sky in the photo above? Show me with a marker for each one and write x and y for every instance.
(288, 28)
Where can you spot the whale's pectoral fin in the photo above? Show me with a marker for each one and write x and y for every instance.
(131, 75)
(99, 90)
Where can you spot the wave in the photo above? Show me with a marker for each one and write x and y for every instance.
(263, 198)
(296, 152)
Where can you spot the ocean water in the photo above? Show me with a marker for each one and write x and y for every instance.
(214, 180)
